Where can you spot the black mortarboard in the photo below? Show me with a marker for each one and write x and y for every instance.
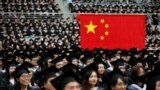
(98, 60)
(18, 53)
(27, 64)
(70, 66)
(151, 58)
(19, 71)
(56, 60)
(111, 54)
(48, 72)
(124, 53)
(134, 51)
(10, 63)
(87, 68)
(118, 62)
(87, 57)
(71, 57)
(60, 82)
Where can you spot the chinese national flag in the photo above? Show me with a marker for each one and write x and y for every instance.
(112, 31)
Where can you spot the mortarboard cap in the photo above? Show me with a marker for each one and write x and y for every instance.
(48, 72)
(60, 82)
(56, 60)
(124, 53)
(70, 66)
(20, 70)
(119, 62)
(10, 63)
(98, 60)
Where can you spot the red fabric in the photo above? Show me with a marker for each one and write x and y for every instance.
(124, 31)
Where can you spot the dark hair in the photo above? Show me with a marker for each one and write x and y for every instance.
(135, 74)
(151, 84)
(85, 82)
(114, 80)
(8, 74)
(97, 65)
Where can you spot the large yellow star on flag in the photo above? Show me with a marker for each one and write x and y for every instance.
(91, 27)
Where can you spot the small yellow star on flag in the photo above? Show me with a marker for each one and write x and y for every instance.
(106, 33)
(102, 21)
(102, 37)
(91, 27)
(106, 26)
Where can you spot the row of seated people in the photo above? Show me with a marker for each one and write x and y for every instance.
(113, 7)
(29, 6)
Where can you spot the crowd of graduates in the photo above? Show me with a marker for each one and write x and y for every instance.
(41, 50)
(79, 69)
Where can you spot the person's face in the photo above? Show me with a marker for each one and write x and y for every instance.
(12, 69)
(126, 58)
(120, 85)
(48, 85)
(141, 72)
(65, 62)
(24, 79)
(49, 63)
(93, 79)
(59, 65)
(75, 62)
(101, 69)
(34, 61)
(19, 59)
(72, 86)
(122, 68)
(157, 87)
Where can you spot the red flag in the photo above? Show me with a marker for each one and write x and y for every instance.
(112, 31)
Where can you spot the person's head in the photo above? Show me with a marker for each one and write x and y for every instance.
(138, 70)
(58, 63)
(10, 69)
(74, 61)
(48, 61)
(125, 56)
(47, 84)
(153, 83)
(100, 68)
(138, 73)
(118, 83)
(22, 77)
(119, 65)
(70, 84)
(67, 81)
(65, 62)
(34, 61)
(90, 79)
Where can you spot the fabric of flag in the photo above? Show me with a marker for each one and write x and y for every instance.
(112, 31)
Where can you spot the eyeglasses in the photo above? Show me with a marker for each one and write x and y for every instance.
(25, 76)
